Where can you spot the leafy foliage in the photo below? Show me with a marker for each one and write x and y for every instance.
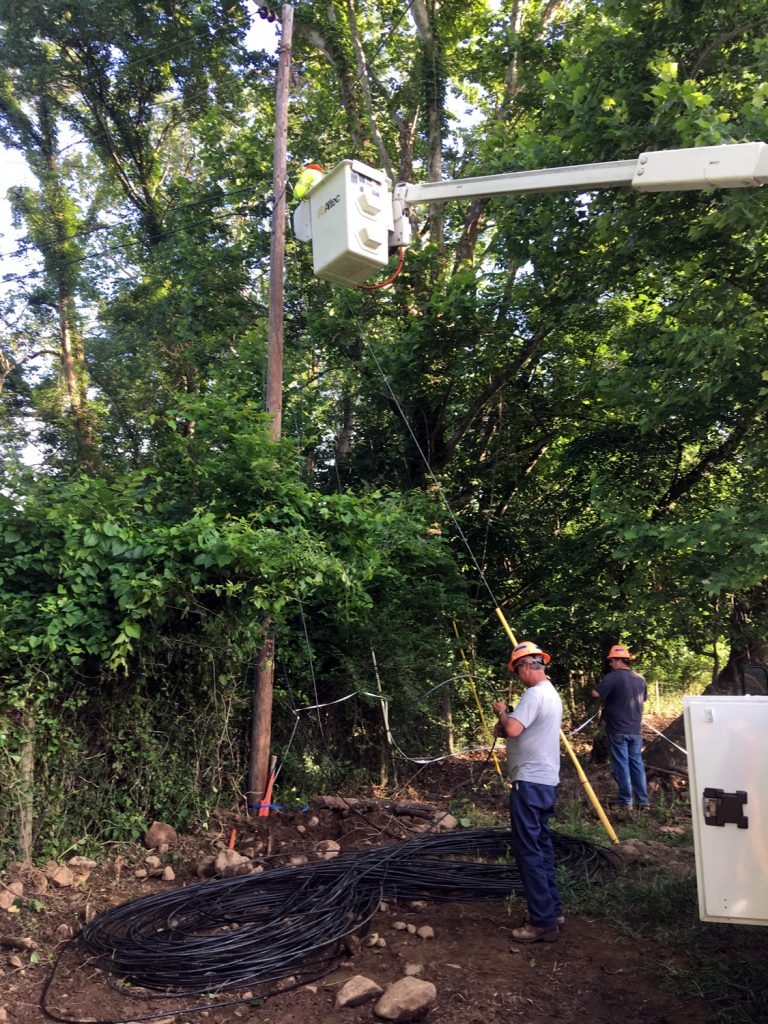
(565, 392)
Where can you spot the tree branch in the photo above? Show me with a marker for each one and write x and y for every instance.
(494, 385)
(714, 457)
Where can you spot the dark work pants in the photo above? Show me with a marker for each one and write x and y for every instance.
(531, 806)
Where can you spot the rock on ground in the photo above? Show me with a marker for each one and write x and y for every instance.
(159, 834)
(408, 999)
(356, 991)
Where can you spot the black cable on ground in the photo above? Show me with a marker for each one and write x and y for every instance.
(234, 933)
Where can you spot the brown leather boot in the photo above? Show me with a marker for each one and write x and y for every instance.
(533, 933)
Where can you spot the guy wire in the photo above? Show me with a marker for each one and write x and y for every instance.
(436, 482)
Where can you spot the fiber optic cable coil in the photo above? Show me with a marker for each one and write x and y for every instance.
(223, 934)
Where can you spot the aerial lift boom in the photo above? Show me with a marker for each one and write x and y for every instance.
(354, 219)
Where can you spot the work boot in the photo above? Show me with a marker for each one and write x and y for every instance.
(560, 921)
(533, 933)
(622, 812)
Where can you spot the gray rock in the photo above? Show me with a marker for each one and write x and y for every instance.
(82, 863)
(356, 991)
(8, 897)
(205, 866)
(408, 999)
(159, 833)
(61, 876)
(229, 863)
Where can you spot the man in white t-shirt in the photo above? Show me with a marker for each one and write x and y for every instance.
(532, 732)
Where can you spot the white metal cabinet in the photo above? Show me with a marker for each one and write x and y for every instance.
(727, 740)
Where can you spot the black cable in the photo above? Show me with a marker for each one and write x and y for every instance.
(254, 930)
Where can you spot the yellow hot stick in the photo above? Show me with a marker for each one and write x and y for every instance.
(572, 754)
(505, 624)
(590, 792)
(488, 733)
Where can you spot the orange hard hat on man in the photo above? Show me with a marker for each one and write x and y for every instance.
(620, 652)
(524, 650)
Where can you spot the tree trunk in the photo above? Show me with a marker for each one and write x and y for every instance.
(261, 727)
(448, 721)
(26, 785)
(74, 381)
(434, 94)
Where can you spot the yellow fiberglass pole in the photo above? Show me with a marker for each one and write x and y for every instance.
(572, 754)
(486, 729)
(589, 791)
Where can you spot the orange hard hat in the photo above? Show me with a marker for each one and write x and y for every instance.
(619, 651)
(527, 647)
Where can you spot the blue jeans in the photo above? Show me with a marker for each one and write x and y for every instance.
(628, 768)
(531, 805)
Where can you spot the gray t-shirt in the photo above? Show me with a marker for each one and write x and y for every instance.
(534, 755)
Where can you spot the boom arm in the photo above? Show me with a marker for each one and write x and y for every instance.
(742, 165)
(354, 221)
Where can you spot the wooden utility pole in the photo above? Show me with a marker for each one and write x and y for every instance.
(261, 719)
(274, 403)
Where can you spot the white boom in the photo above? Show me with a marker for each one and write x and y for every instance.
(353, 220)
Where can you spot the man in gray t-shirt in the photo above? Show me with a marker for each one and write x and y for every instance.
(532, 732)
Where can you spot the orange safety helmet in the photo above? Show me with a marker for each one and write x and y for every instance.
(524, 649)
(619, 651)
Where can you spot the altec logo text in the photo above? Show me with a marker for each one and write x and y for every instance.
(329, 205)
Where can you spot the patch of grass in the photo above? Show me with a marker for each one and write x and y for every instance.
(570, 817)
(574, 818)
(727, 965)
(469, 815)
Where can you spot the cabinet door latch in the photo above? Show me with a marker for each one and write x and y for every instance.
(721, 808)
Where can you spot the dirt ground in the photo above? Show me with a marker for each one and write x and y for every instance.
(592, 974)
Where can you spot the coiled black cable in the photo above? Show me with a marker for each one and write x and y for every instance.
(226, 934)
